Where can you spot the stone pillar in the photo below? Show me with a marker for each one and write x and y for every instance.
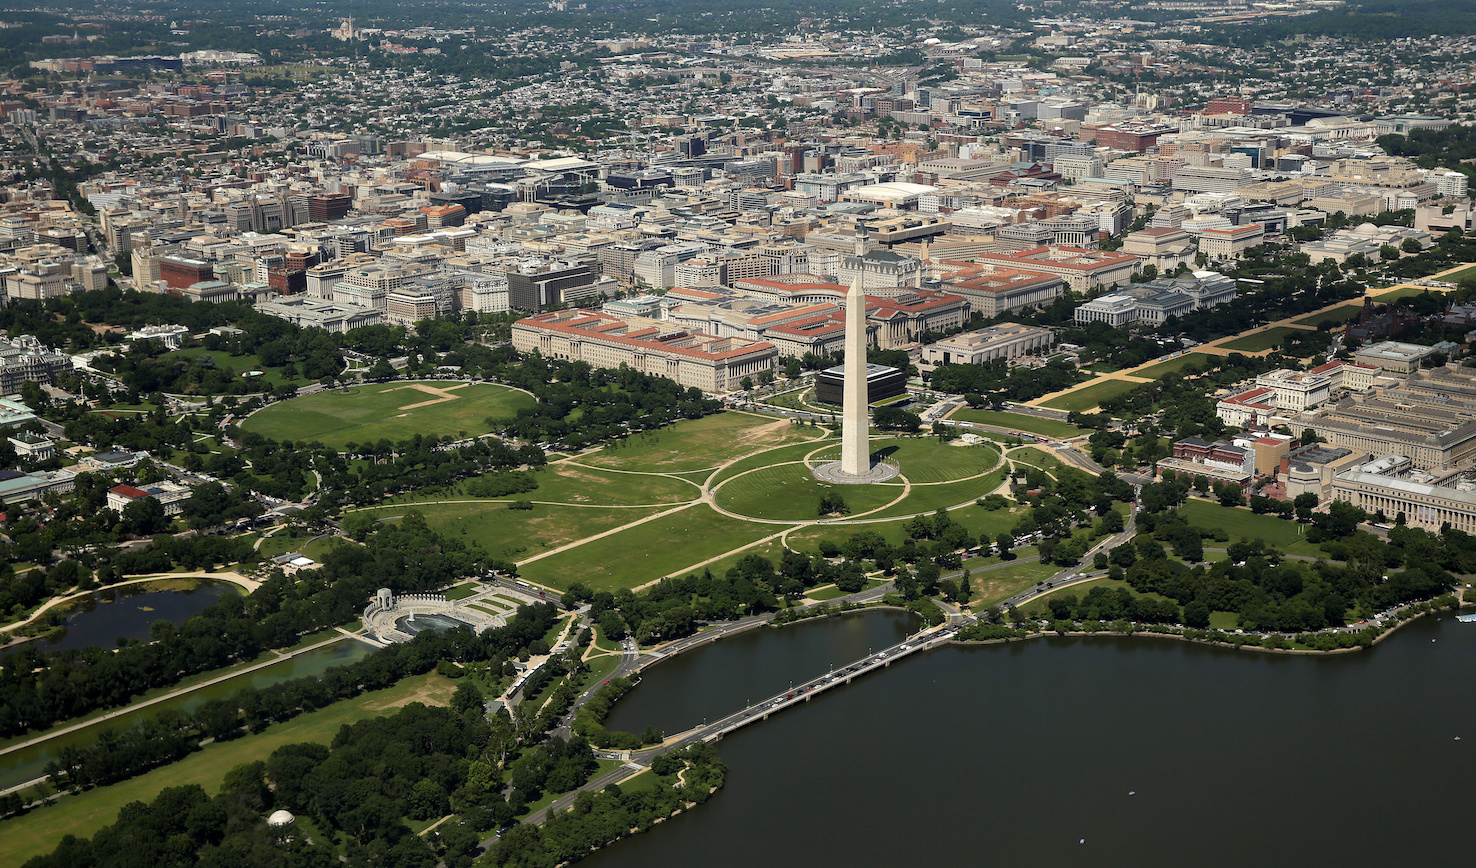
(855, 446)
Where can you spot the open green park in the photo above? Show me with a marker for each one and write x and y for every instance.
(1172, 366)
(387, 411)
(1242, 523)
(704, 493)
(701, 493)
(1458, 276)
(1263, 340)
(1089, 397)
(1335, 317)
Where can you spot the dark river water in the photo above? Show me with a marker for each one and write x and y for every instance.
(1086, 752)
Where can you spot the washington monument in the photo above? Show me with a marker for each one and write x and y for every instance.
(855, 424)
(855, 467)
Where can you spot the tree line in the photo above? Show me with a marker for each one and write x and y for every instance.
(44, 688)
(172, 734)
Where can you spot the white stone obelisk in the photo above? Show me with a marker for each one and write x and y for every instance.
(855, 423)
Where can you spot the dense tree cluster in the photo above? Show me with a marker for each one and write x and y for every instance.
(44, 688)
(589, 720)
(997, 381)
(1453, 148)
(171, 735)
(612, 402)
(1104, 604)
(1268, 592)
(1180, 399)
(597, 819)
(419, 763)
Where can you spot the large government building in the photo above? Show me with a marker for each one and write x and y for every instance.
(712, 364)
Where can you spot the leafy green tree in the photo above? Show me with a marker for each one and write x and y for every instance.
(468, 698)
(897, 419)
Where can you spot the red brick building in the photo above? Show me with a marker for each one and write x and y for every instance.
(181, 273)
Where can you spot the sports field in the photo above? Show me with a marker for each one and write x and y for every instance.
(388, 411)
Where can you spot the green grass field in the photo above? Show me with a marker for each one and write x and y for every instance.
(1238, 522)
(1089, 397)
(924, 460)
(773, 550)
(513, 534)
(647, 552)
(1458, 276)
(1266, 340)
(790, 492)
(1336, 316)
(1040, 458)
(81, 815)
(1172, 366)
(698, 443)
(1019, 422)
(309, 546)
(1404, 292)
(780, 455)
(563, 482)
(977, 520)
(386, 411)
(993, 585)
(930, 498)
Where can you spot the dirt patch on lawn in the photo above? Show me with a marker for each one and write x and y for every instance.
(441, 395)
(991, 592)
(582, 475)
(432, 691)
(761, 435)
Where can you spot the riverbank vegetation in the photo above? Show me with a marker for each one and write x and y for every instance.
(684, 779)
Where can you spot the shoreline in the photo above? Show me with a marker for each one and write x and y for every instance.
(1391, 630)
(7, 637)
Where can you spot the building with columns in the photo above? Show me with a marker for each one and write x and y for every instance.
(1388, 485)
(692, 359)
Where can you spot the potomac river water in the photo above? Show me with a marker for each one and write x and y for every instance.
(1063, 751)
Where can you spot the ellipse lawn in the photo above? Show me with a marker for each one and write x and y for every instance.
(388, 411)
